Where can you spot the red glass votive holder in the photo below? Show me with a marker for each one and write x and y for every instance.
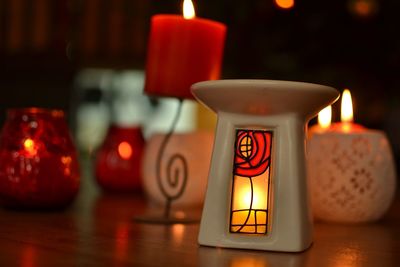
(119, 159)
(38, 162)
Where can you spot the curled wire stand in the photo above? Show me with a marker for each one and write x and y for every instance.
(174, 179)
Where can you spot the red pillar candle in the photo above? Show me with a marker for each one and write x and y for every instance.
(181, 52)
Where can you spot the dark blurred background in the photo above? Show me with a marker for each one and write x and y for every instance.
(352, 44)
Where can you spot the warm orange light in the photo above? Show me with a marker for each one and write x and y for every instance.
(29, 146)
(242, 201)
(188, 9)
(66, 160)
(346, 114)
(285, 4)
(260, 198)
(325, 117)
(363, 8)
(249, 261)
(125, 150)
(348, 256)
(180, 214)
(67, 165)
(178, 231)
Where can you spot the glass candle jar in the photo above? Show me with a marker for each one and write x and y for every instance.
(38, 161)
(119, 159)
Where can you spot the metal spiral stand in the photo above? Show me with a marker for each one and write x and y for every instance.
(175, 178)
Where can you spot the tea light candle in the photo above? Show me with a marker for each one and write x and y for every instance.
(350, 168)
(182, 50)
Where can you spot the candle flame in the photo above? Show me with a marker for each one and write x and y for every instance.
(347, 107)
(325, 117)
(285, 4)
(29, 146)
(244, 198)
(125, 150)
(188, 9)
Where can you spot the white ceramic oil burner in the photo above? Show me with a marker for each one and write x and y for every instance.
(257, 189)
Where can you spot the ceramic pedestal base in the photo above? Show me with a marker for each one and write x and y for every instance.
(275, 112)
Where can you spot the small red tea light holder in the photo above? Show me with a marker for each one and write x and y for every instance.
(38, 162)
(351, 169)
(119, 159)
(257, 188)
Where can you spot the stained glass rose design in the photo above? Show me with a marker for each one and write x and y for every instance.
(252, 153)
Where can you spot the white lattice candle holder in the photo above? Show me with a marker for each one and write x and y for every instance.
(351, 175)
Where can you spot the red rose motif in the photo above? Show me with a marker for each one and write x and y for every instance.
(253, 151)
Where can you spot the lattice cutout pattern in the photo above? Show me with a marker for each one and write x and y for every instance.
(351, 176)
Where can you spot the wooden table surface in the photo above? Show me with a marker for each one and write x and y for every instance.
(98, 230)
